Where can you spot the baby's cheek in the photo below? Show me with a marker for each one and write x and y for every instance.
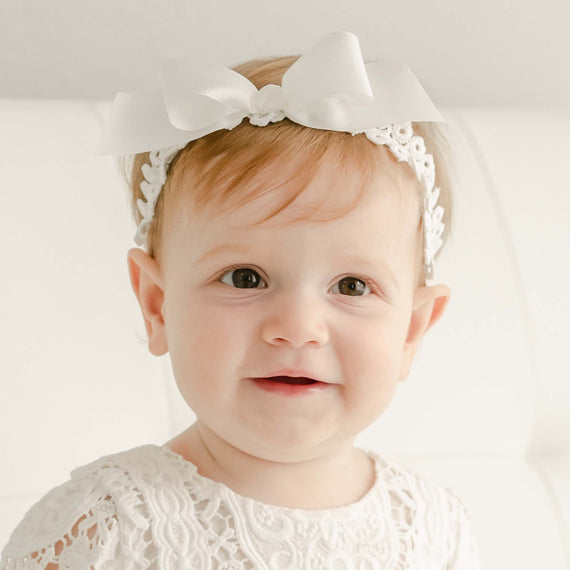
(218, 332)
(368, 397)
(212, 343)
(372, 364)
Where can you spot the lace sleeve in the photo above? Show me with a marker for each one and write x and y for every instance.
(73, 527)
(466, 552)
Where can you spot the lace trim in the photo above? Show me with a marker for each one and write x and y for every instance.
(382, 530)
(92, 536)
(150, 508)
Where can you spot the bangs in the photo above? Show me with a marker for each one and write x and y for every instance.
(228, 169)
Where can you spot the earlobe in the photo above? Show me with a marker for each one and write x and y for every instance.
(428, 307)
(147, 284)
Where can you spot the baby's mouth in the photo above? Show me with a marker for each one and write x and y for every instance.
(291, 380)
(291, 385)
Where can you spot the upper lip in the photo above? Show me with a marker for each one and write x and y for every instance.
(294, 373)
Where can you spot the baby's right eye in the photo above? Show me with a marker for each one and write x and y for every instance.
(242, 277)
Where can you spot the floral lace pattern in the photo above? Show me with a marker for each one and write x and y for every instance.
(149, 508)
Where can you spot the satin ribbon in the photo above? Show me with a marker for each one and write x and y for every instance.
(328, 87)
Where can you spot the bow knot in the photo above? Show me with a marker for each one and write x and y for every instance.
(267, 105)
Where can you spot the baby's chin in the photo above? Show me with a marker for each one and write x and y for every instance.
(295, 445)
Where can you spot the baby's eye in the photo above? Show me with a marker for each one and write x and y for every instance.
(242, 277)
(352, 286)
(247, 278)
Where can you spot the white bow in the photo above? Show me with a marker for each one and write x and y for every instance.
(328, 87)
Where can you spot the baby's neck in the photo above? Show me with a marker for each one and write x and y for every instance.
(326, 482)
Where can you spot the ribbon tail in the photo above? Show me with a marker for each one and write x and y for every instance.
(398, 95)
(138, 122)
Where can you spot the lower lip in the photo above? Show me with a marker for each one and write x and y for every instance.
(289, 389)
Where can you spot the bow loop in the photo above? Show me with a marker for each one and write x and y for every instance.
(334, 67)
(198, 95)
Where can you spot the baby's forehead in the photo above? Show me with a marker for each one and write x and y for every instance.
(281, 195)
(384, 215)
(373, 222)
(375, 212)
(326, 221)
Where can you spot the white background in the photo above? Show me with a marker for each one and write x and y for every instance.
(485, 410)
(484, 52)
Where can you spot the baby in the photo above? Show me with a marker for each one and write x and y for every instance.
(286, 275)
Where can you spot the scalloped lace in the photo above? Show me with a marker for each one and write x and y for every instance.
(150, 508)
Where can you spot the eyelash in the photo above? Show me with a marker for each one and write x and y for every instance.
(370, 284)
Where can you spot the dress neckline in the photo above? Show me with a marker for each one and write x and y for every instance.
(191, 470)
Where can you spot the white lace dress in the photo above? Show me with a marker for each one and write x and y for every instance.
(148, 507)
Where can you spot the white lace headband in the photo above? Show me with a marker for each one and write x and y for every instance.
(329, 87)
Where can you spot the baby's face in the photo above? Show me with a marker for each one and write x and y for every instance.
(330, 298)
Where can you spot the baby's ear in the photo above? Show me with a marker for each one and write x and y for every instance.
(428, 306)
(147, 284)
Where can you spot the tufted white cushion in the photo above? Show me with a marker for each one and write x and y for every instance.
(485, 409)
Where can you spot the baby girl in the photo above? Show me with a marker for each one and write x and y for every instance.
(290, 218)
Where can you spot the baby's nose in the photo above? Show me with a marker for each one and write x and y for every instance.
(296, 322)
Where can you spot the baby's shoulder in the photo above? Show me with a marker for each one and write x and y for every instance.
(79, 519)
(440, 520)
(411, 490)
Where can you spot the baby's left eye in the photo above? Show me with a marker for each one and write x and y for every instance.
(352, 285)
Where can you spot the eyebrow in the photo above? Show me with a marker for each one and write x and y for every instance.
(235, 247)
(240, 248)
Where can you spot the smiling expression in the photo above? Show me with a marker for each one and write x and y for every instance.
(332, 298)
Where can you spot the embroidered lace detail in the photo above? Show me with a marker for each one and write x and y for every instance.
(406, 146)
(154, 179)
(60, 534)
(150, 508)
